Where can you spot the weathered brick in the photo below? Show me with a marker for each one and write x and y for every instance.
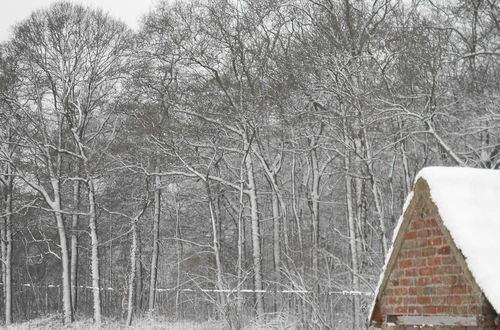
(443, 309)
(452, 279)
(415, 309)
(459, 289)
(428, 290)
(430, 251)
(422, 281)
(424, 233)
(406, 282)
(474, 309)
(434, 261)
(431, 223)
(401, 309)
(444, 250)
(387, 309)
(442, 290)
(411, 272)
(469, 300)
(424, 300)
(416, 224)
(401, 291)
(426, 271)
(394, 300)
(394, 282)
(411, 253)
(409, 301)
(410, 244)
(422, 242)
(429, 309)
(448, 260)
(397, 273)
(406, 263)
(436, 241)
(436, 232)
(411, 235)
(438, 300)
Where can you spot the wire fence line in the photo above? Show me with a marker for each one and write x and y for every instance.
(340, 292)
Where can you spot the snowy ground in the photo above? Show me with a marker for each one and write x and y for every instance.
(54, 322)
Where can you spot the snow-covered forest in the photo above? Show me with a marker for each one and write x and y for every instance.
(238, 161)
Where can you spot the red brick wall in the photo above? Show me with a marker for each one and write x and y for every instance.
(426, 278)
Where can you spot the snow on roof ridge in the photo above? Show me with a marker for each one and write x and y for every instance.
(445, 184)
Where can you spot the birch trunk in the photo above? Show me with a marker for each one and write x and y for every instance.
(360, 211)
(66, 279)
(352, 232)
(3, 244)
(276, 246)
(294, 207)
(315, 212)
(156, 235)
(7, 248)
(376, 194)
(240, 250)
(254, 215)
(96, 293)
(55, 169)
(180, 255)
(138, 294)
(276, 235)
(131, 283)
(74, 246)
(406, 168)
(216, 248)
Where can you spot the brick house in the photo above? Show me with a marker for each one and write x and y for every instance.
(443, 269)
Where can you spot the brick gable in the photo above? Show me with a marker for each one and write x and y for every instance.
(429, 276)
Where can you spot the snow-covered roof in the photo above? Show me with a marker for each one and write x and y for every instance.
(468, 201)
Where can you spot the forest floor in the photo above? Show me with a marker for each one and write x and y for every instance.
(54, 322)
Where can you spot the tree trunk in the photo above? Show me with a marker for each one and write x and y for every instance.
(74, 245)
(276, 245)
(216, 248)
(276, 235)
(61, 229)
(180, 256)
(95, 255)
(352, 232)
(406, 168)
(3, 244)
(359, 188)
(315, 212)
(139, 275)
(156, 235)
(7, 248)
(295, 210)
(131, 281)
(66, 284)
(257, 262)
(240, 250)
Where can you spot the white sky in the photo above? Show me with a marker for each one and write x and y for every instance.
(14, 11)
